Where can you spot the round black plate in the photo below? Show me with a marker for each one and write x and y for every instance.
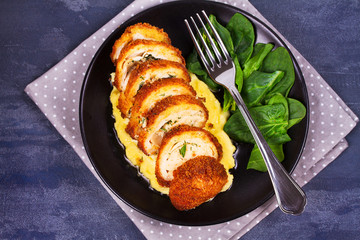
(250, 188)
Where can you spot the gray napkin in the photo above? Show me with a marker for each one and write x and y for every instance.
(57, 95)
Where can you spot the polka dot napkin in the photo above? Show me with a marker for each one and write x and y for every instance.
(57, 94)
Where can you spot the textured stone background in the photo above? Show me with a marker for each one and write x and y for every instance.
(47, 193)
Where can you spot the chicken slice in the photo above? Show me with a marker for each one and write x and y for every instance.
(181, 144)
(145, 72)
(150, 94)
(166, 114)
(197, 181)
(138, 31)
(139, 51)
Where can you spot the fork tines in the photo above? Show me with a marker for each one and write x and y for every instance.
(210, 61)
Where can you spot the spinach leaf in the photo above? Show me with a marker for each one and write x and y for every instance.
(229, 103)
(270, 119)
(258, 84)
(280, 60)
(243, 36)
(297, 112)
(254, 63)
(223, 33)
(193, 65)
(256, 160)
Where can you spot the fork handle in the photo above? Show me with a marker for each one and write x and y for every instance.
(291, 198)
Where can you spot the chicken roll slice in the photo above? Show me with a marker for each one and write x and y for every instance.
(138, 31)
(197, 181)
(181, 144)
(166, 114)
(152, 93)
(142, 50)
(146, 72)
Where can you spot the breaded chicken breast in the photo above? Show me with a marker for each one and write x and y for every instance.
(148, 72)
(181, 144)
(197, 181)
(142, 50)
(150, 94)
(138, 31)
(166, 114)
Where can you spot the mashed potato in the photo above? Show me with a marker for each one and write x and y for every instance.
(215, 124)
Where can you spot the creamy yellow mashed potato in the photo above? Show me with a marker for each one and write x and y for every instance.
(215, 124)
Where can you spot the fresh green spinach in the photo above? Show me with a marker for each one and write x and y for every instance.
(264, 77)
(258, 85)
(243, 36)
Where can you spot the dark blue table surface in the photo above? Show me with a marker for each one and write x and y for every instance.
(46, 192)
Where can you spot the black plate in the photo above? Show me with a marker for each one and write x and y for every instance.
(250, 188)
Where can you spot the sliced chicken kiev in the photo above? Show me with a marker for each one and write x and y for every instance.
(181, 144)
(138, 31)
(166, 114)
(152, 93)
(145, 72)
(141, 50)
(196, 181)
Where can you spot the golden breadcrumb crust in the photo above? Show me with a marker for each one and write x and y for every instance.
(151, 93)
(197, 181)
(176, 132)
(169, 106)
(149, 71)
(143, 30)
(146, 49)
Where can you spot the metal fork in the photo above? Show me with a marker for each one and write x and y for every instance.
(290, 197)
